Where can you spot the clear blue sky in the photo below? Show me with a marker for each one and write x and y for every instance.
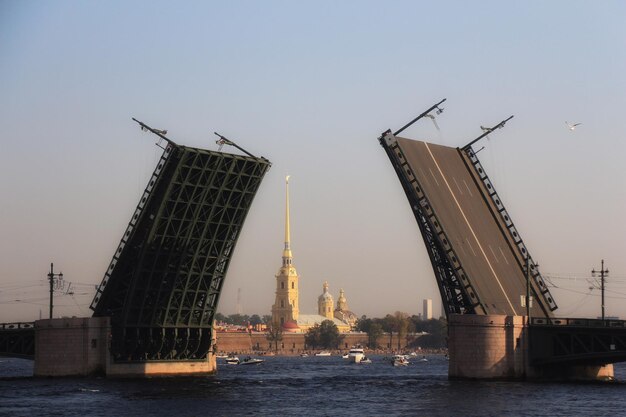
(310, 85)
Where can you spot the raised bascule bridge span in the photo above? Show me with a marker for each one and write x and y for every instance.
(485, 272)
(163, 284)
(154, 309)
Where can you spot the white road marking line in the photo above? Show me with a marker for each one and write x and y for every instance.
(502, 252)
(470, 246)
(423, 175)
(457, 185)
(494, 254)
(435, 178)
(468, 189)
(471, 229)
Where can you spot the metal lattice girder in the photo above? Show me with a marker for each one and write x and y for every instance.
(475, 250)
(17, 340)
(577, 341)
(163, 284)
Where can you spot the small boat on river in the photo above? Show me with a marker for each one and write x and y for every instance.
(232, 360)
(356, 354)
(251, 361)
(399, 360)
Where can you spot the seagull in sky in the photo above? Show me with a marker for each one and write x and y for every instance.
(572, 126)
(162, 132)
(488, 130)
(431, 117)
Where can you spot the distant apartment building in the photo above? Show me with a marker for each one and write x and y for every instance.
(427, 313)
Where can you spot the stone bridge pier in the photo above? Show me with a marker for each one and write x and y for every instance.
(497, 347)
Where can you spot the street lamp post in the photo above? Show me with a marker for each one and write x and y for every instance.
(603, 273)
(528, 289)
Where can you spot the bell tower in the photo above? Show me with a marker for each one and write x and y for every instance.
(285, 307)
(325, 303)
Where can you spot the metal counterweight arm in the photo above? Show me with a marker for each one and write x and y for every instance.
(487, 131)
(155, 131)
(436, 106)
(227, 141)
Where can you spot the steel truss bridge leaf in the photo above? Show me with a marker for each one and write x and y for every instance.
(163, 284)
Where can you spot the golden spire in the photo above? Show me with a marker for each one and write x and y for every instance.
(287, 252)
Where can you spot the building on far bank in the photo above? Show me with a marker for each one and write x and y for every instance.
(343, 313)
(285, 311)
(428, 309)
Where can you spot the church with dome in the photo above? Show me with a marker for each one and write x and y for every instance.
(285, 311)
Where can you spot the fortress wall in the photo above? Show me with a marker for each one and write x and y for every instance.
(292, 343)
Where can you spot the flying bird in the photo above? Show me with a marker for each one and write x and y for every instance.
(487, 130)
(146, 129)
(431, 117)
(572, 126)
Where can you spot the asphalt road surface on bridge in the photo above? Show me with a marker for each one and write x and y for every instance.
(461, 205)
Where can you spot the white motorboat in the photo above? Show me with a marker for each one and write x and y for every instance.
(365, 359)
(345, 356)
(356, 354)
(304, 355)
(323, 353)
(399, 360)
(251, 361)
(232, 360)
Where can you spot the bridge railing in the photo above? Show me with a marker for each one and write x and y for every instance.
(16, 326)
(574, 322)
(17, 340)
(514, 234)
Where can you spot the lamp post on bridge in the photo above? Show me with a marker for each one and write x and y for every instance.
(528, 288)
(527, 300)
(603, 273)
(52, 277)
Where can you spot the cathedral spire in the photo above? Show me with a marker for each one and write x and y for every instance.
(285, 308)
(287, 251)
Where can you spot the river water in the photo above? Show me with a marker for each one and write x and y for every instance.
(313, 386)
